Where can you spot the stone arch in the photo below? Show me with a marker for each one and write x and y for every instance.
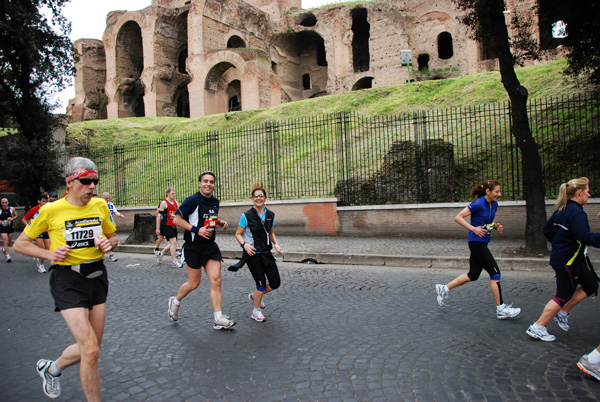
(297, 54)
(216, 83)
(130, 98)
(363, 83)
(235, 41)
(129, 51)
(445, 47)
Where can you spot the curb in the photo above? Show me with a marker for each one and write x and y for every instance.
(513, 264)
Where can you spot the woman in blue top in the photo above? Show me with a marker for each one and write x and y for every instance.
(256, 236)
(482, 212)
(569, 231)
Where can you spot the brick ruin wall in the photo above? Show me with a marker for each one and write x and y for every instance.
(193, 58)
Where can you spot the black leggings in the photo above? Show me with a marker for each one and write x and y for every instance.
(481, 258)
(263, 268)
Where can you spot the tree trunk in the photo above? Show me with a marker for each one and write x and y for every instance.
(533, 186)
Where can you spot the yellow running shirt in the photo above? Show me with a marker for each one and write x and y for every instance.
(74, 226)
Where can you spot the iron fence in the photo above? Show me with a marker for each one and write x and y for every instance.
(429, 156)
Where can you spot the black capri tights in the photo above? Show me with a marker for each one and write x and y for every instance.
(264, 270)
(569, 277)
(481, 258)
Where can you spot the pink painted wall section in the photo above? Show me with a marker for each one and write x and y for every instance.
(322, 218)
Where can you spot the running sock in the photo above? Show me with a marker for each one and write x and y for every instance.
(536, 326)
(446, 289)
(176, 302)
(218, 315)
(54, 370)
(594, 356)
(500, 307)
(255, 310)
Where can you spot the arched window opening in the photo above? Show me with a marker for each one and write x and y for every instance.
(306, 84)
(234, 96)
(309, 20)
(361, 30)
(363, 83)
(183, 104)
(236, 42)
(181, 61)
(445, 50)
(423, 62)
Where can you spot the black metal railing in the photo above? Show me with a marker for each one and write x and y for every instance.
(428, 156)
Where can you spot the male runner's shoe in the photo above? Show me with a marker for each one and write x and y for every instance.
(257, 316)
(541, 334)
(8, 258)
(51, 384)
(508, 311)
(223, 323)
(41, 269)
(173, 312)
(589, 368)
(441, 294)
(177, 264)
(111, 257)
(159, 257)
(156, 252)
(251, 297)
(562, 320)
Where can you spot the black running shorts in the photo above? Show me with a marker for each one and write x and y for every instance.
(168, 231)
(196, 257)
(71, 290)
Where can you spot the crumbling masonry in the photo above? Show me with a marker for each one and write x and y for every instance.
(192, 58)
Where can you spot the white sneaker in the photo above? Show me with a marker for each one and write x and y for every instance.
(541, 334)
(8, 258)
(441, 294)
(111, 257)
(223, 323)
(257, 316)
(41, 269)
(508, 311)
(177, 264)
(159, 257)
(156, 253)
(173, 311)
(262, 303)
(51, 385)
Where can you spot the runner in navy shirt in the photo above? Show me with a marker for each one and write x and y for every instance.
(199, 216)
(482, 212)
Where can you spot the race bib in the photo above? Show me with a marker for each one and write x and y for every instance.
(210, 222)
(81, 233)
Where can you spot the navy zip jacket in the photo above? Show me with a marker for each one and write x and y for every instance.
(569, 232)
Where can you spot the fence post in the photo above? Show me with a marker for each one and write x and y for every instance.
(212, 140)
(341, 122)
(272, 129)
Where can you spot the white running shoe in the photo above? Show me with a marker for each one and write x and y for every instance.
(251, 297)
(159, 257)
(257, 316)
(589, 368)
(42, 269)
(541, 334)
(562, 319)
(177, 264)
(8, 258)
(508, 311)
(51, 385)
(173, 311)
(223, 323)
(441, 294)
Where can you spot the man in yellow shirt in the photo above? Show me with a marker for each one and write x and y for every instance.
(80, 231)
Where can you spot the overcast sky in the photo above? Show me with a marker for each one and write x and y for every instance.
(88, 20)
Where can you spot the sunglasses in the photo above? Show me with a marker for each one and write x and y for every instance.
(259, 196)
(87, 181)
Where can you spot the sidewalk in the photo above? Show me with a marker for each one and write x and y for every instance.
(397, 252)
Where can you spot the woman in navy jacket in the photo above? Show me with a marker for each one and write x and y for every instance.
(569, 231)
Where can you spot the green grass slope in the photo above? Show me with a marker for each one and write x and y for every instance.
(544, 79)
